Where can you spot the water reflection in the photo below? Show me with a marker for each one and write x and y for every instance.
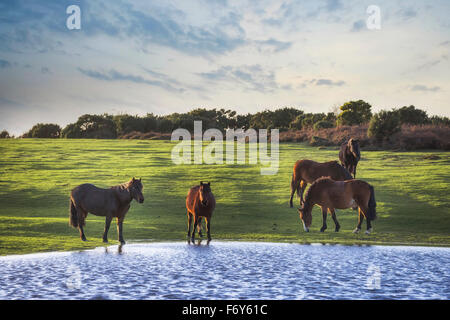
(230, 270)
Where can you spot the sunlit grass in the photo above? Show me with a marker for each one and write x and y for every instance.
(37, 176)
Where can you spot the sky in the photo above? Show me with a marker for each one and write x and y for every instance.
(168, 56)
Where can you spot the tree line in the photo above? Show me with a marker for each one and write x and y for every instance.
(106, 126)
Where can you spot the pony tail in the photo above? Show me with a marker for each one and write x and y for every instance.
(73, 216)
(372, 204)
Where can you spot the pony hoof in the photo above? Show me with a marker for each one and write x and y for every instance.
(105, 240)
(200, 235)
(369, 231)
(356, 230)
(83, 239)
(323, 229)
(337, 229)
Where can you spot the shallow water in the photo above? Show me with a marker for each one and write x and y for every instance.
(229, 270)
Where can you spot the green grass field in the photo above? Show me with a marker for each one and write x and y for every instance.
(412, 195)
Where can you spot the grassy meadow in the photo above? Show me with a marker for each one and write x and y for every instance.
(36, 176)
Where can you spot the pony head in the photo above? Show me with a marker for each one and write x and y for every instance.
(135, 187)
(205, 189)
(353, 145)
(305, 216)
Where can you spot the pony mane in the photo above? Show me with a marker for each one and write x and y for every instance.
(123, 186)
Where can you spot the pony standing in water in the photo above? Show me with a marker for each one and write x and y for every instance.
(200, 203)
(308, 171)
(331, 195)
(110, 203)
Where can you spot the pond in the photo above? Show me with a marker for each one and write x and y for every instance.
(229, 270)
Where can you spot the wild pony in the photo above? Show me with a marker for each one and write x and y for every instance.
(109, 203)
(350, 155)
(308, 171)
(331, 195)
(200, 203)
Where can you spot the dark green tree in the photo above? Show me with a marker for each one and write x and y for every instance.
(354, 113)
(4, 135)
(383, 125)
(91, 126)
(44, 130)
(411, 115)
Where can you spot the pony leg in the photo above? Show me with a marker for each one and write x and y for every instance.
(302, 188)
(81, 216)
(324, 216)
(354, 171)
(369, 227)
(120, 230)
(369, 224)
(82, 235)
(199, 227)
(107, 224)
(360, 221)
(208, 228)
(294, 187)
(189, 216)
(336, 223)
(195, 227)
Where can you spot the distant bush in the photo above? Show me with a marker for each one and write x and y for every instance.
(414, 137)
(323, 124)
(44, 130)
(411, 115)
(91, 127)
(439, 121)
(318, 141)
(383, 125)
(354, 113)
(4, 135)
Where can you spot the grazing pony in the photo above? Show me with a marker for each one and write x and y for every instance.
(350, 155)
(331, 195)
(200, 203)
(308, 171)
(109, 203)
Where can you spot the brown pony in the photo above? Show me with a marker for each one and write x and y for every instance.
(331, 195)
(308, 171)
(349, 155)
(109, 203)
(200, 203)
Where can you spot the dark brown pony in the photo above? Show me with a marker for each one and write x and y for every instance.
(109, 203)
(308, 171)
(331, 195)
(350, 155)
(200, 203)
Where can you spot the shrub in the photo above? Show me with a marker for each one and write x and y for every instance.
(383, 125)
(44, 130)
(4, 135)
(318, 141)
(440, 121)
(323, 124)
(354, 113)
(411, 115)
(91, 127)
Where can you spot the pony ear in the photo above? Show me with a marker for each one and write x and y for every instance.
(140, 179)
(201, 183)
(133, 179)
(209, 183)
